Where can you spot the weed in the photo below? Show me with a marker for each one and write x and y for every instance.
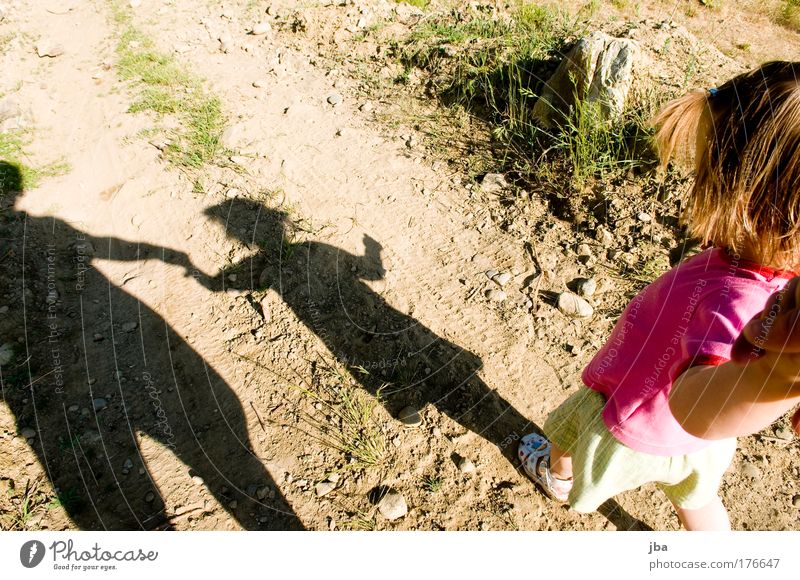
(432, 484)
(360, 520)
(349, 426)
(165, 87)
(15, 175)
(790, 14)
(25, 504)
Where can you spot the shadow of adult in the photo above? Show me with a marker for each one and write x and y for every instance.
(325, 288)
(88, 369)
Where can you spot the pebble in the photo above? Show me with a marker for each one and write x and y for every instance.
(495, 295)
(605, 237)
(232, 277)
(259, 83)
(233, 505)
(6, 354)
(72, 408)
(129, 326)
(262, 492)
(324, 488)
(135, 3)
(334, 99)
(465, 465)
(28, 433)
(149, 497)
(644, 217)
(393, 505)
(586, 287)
(128, 464)
(573, 305)
(367, 107)
(50, 49)
(491, 274)
(493, 183)
(796, 501)
(197, 480)
(751, 471)
(3, 309)
(334, 477)
(584, 251)
(99, 404)
(785, 433)
(232, 193)
(260, 29)
(502, 278)
(409, 416)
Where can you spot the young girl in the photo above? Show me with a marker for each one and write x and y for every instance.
(663, 401)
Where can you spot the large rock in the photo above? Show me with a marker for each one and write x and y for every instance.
(598, 69)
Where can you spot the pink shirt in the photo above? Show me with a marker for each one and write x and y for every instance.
(689, 316)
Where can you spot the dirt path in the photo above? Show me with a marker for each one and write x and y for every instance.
(339, 246)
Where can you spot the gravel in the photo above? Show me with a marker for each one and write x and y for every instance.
(393, 505)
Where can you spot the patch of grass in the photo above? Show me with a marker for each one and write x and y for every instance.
(24, 505)
(165, 87)
(790, 14)
(421, 4)
(432, 484)
(15, 174)
(351, 428)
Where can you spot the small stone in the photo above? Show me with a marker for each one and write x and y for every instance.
(643, 216)
(334, 99)
(232, 193)
(261, 28)
(493, 183)
(197, 480)
(750, 470)
(6, 354)
(128, 464)
(502, 278)
(796, 500)
(785, 433)
(334, 477)
(233, 504)
(99, 404)
(129, 326)
(324, 488)
(491, 274)
(586, 287)
(3, 309)
(574, 306)
(259, 83)
(232, 277)
(584, 251)
(262, 492)
(409, 416)
(495, 295)
(72, 408)
(46, 48)
(393, 505)
(149, 496)
(605, 237)
(28, 433)
(367, 107)
(135, 3)
(465, 465)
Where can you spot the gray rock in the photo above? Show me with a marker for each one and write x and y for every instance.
(393, 505)
(409, 416)
(28, 433)
(128, 464)
(334, 99)
(262, 492)
(129, 326)
(261, 29)
(324, 488)
(502, 278)
(72, 408)
(6, 354)
(586, 287)
(3, 309)
(48, 48)
(643, 216)
(574, 306)
(495, 295)
(750, 470)
(149, 497)
(598, 70)
(491, 274)
(197, 480)
(465, 465)
(493, 183)
(99, 404)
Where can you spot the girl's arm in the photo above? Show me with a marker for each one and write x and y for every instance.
(745, 395)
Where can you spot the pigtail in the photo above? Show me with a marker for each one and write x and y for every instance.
(677, 127)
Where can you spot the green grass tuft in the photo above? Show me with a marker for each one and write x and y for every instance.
(15, 174)
(165, 87)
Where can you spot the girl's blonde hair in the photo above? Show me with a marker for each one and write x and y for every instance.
(745, 140)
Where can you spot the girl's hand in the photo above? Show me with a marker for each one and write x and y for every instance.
(775, 336)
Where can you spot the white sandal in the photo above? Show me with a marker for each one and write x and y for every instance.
(534, 452)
